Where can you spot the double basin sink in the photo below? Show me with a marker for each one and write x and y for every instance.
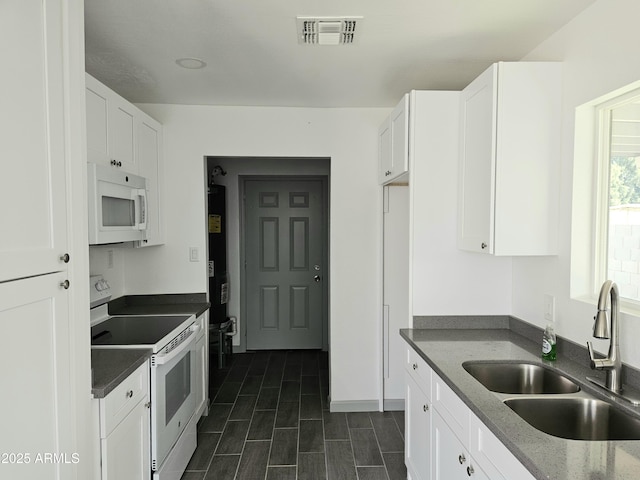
(553, 403)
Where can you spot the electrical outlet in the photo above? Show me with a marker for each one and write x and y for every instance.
(549, 308)
(194, 254)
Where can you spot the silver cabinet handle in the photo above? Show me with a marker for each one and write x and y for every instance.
(316, 278)
(483, 245)
(470, 470)
(425, 407)
(65, 284)
(130, 394)
(415, 366)
(65, 258)
(147, 405)
(462, 458)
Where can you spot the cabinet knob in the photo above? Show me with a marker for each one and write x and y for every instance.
(469, 470)
(425, 407)
(483, 245)
(65, 284)
(129, 394)
(65, 258)
(147, 405)
(119, 164)
(462, 458)
(415, 366)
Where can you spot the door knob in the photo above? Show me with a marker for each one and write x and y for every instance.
(316, 278)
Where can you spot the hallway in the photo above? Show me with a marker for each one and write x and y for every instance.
(269, 419)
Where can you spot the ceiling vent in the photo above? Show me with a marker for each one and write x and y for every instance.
(328, 30)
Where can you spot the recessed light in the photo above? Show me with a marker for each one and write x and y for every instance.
(191, 63)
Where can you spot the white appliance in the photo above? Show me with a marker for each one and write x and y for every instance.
(117, 205)
(172, 340)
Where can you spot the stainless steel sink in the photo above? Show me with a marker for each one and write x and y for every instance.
(520, 378)
(576, 418)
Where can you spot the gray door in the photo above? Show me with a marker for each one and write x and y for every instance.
(284, 244)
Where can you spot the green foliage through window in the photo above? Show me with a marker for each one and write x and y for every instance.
(624, 181)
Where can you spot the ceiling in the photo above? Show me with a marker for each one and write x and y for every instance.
(253, 56)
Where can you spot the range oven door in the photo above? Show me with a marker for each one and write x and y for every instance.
(173, 399)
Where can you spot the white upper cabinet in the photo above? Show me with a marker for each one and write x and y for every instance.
(111, 128)
(150, 159)
(393, 143)
(33, 183)
(509, 157)
(122, 136)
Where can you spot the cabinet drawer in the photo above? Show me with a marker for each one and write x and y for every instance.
(419, 370)
(491, 454)
(453, 410)
(115, 406)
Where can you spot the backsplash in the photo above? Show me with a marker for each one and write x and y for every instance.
(108, 261)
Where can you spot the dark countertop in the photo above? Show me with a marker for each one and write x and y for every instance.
(168, 304)
(110, 366)
(546, 456)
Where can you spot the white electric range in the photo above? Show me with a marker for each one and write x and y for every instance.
(171, 339)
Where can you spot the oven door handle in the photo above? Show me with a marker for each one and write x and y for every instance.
(185, 345)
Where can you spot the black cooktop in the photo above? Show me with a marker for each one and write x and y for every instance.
(135, 330)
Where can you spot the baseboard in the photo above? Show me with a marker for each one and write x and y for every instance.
(393, 404)
(354, 406)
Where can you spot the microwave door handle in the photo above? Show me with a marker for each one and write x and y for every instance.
(186, 345)
(141, 210)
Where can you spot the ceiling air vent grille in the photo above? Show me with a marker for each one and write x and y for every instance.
(328, 30)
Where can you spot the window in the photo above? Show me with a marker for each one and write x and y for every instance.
(617, 242)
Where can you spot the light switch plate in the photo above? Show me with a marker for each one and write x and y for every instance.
(194, 254)
(549, 307)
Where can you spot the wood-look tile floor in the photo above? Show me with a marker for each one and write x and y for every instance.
(269, 420)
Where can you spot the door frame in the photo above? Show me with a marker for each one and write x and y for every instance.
(324, 180)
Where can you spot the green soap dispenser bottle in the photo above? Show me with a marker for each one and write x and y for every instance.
(549, 343)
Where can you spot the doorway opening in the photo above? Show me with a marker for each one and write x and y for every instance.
(290, 311)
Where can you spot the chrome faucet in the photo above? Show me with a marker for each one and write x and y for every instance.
(612, 364)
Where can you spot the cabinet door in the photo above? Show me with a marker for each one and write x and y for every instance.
(32, 184)
(35, 366)
(111, 127)
(417, 431)
(126, 451)
(97, 130)
(400, 138)
(477, 166)
(449, 457)
(393, 143)
(384, 151)
(122, 132)
(149, 143)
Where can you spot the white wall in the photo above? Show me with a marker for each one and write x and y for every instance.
(445, 280)
(349, 138)
(599, 49)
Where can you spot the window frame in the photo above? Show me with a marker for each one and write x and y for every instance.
(602, 165)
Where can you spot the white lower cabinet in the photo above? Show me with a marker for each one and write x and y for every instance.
(451, 459)
(125, 429)
(417, 431)
(444, 440)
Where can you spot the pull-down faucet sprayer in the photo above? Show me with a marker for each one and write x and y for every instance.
(612, 364)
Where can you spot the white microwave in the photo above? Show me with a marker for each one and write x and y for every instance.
(117, 205)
